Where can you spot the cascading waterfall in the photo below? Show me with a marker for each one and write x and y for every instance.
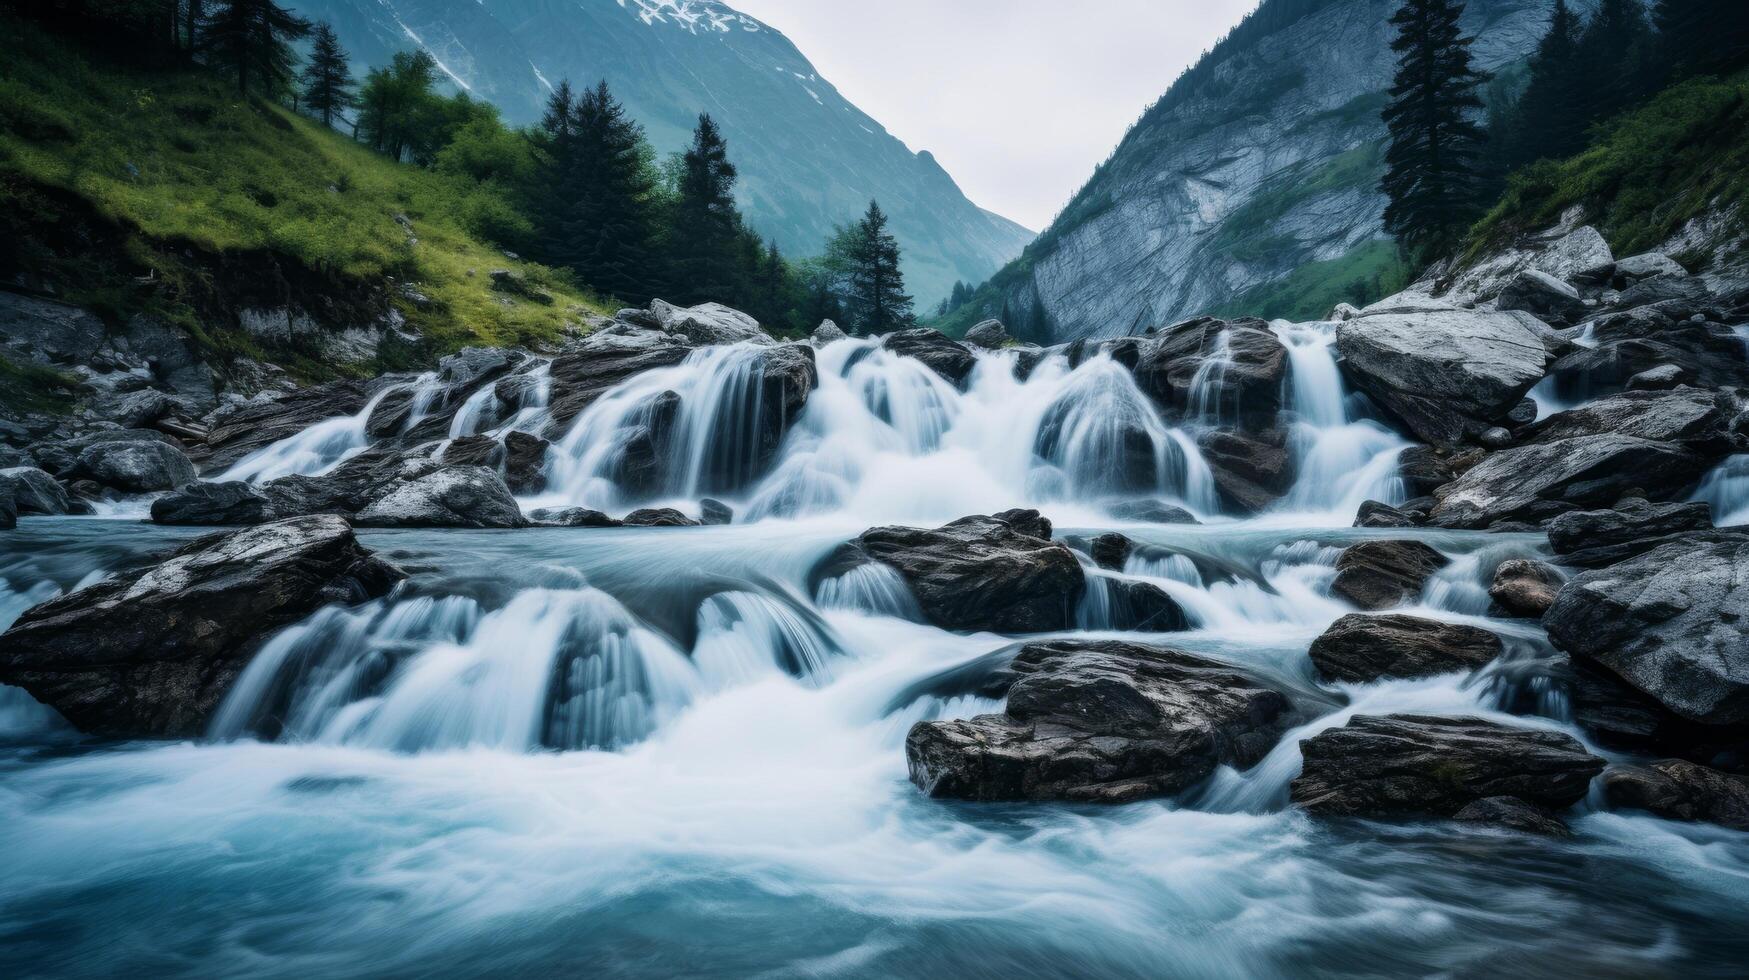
(1726, 488)
(312, 452)
(1208, 384)
(1342, 461)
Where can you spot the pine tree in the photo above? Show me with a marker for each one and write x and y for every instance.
(866, 257)
(1549, 120)
(606, 227)
(328, 84)
(705, 222)
(1702, 36)
(1432, 178)
(251, 39)
(1614, 50)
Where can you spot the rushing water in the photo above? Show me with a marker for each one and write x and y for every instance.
(653, 751)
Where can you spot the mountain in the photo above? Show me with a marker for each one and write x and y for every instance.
(809, 159)
(1251, 186)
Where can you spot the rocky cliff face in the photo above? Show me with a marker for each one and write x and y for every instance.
(809, 159)
(1263, 160)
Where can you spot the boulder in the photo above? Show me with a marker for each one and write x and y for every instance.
(1423, 470)
(999, 573)
(1445, 372)
(1512, 813)
(1661, 378)
(1110, 550)
(135, 467)
(571, 517)
(1361, 649)
(1596, 538)
(1525, 588)
(1543, 296)
(1710, 355)
(153, 653)
(658, 517)
(1679, 790)
(240, 430)
(1251, 472)
(827, 332)
(1536, 482)
(1694, 417)
(988, 334)
(471, 367)
(454, 496)
(708, 323)
(1243, 382)
(1669, 623)
(1568, 250)
(1688, 291)
(715, 512)
(138, 409)
(33, 491)
(213, 504)
(939, 352)
(1151, 512)
(1373, 513)
(1398, 765)
(1382, 574)
(600, 363)
(525, 462)
(1141, 607)
(1101, 721)
(1644, 266)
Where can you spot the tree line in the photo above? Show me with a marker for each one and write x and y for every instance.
(1444, 162)
(587, 190)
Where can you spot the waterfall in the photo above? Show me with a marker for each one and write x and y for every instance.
(872, 588)
(1207, 384)
(1342, 460)
(1726, 488)
(314, 451)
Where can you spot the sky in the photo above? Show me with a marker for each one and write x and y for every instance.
(1017, 99)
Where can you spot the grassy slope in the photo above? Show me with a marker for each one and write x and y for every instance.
(180, 162)
(1645, 174)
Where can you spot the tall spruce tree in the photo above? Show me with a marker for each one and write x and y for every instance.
(1549, 119)
(328, 84)
(866, 256)
(1432, 178)
(705, 225)
(251, 39)
(1614, 50)
(1702, 36)
(606, 212)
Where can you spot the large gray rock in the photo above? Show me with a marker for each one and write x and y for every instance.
(1399, 765)
(988, 334)
(1696, 417)
(827, 332)
(1251, 470)
(455, 496)
(1445, 372)
(214, 504)
(1533, 483)
(135, 467)
(1245, 392)
(1670, 623)
(1543, 296)
(240, 430)
(1000, 573)
(943, 355)
(1596, 538)
(1646, 265)
(1362, 649)
(1679, 790)
(1101, 721)
(1382, 574)
(47, 334)
(708, 323)
(152, 654)
(600, 363)
(1525, 588)
(35, 492)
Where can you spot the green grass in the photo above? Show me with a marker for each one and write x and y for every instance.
(181, 163)
(28, 388)
(1645, 173)
(1373, 270)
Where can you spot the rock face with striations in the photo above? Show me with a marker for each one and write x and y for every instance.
(1400, 765)
(1101, 721)
(1361, 648)
(1536, 482)
(455, 496)
(1678, 790)
(153, 655)
(1597, 538)
(999, 573)
(1382, 574)
(941, 353)
(1244, 385)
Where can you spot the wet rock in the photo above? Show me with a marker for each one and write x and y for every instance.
(239, 430)
(1696, 418)
(827, 332)
(600, 363)
(571, 517)
(1661, 378)
(1245, 392)
(135, 467)
(34, 491)
(1669, 623)
(941, 353)
(1110, 551)
(8, 508)
(1709, 354)
(1398, 765)
(1684, 289)
(658, 517)
(1101, 721)
(1525, 588)
(455, 496)
(708, 323)
(1151, 512)
(1373, 513)
(1446, 372)
(525, 462)
(1679, 790)
(1423, 470)
(713, 511)
(471, 367)
(138, 409)
(1361, 649)
(1141, 607)
(1251, 472)
(1496, 437)
(213, 504)
(1536, 482)
(152, 654)
(1512, 813)
(1382, 574)
(1644, 266)
(988, 334)
(1596, 538)
(998, 573)
(1543, 296)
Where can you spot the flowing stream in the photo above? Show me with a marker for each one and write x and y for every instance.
(671, 751)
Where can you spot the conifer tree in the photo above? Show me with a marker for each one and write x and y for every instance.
(1548, 120)
(1432, 178)
(1702, 36)
(705, 223)
(1613, 51)
(866, 256)
(606, 225)
(328, 84)
(251, 39)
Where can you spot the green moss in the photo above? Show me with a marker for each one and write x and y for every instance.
(179, 161)
(28, 388)
(1645, 174)
(1369, 272)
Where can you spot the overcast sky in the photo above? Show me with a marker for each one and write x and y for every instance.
(1018, 99)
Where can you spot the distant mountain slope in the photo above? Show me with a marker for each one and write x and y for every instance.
(1250, 185)
(809, 159)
